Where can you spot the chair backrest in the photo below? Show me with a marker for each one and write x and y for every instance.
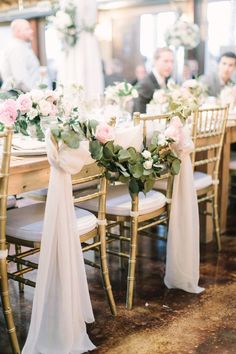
(92, 173)
(156, 121)
(208, 128)
(6, 135)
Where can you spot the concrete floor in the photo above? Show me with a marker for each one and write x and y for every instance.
(162, 321)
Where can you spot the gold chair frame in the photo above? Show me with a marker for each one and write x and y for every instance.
(208, 130)
(4, 286)
(87, 174)
(137, 223)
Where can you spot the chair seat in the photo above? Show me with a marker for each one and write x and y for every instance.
(201, 180)
(11, 202)
(26, 223)
(119, 201)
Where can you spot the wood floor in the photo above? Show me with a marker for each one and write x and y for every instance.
(162, 321)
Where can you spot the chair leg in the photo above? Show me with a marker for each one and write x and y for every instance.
(216, 220)
(105, 272)
(121, 231)
(19, 268)
(4, 289)
(132, 256)
(132, 264)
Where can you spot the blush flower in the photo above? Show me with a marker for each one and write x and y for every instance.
(104, 133)
(24, 103)
(8, 112)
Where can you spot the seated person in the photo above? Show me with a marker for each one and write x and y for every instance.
(157, 79)
(216, 81)
(140, 74)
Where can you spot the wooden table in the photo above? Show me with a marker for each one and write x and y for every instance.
(230, 137)
(28, 173)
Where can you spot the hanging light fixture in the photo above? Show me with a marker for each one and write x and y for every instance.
(21, 5)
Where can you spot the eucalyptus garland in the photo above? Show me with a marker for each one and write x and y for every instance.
(138, 169)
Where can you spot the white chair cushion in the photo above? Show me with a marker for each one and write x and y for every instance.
(26, 223)
(201, 180)
(119, 201)
(11, 202)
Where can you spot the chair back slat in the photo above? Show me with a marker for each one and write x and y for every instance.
(208, 130)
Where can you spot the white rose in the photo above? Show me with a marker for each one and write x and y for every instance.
(62, 20)
(45, 107)
(161, 139)
(148, 164)
(36, 95)
(146, 154)
(32, 113)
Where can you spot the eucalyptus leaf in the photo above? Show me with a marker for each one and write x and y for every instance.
(148, 184)
(71, 139)
(123, 155)
(133, 186)
(96, 149)
(136, 170)
(175, 167)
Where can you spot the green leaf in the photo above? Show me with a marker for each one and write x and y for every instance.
(136, 170)
(96, 149)
(71, 139)
(148, 184)
(108, 152)
(39, 132)
(121, 167)
(175, 167)
(133, 154)
(133, 186)
(56, 132)
(123, 155)
(123, 179)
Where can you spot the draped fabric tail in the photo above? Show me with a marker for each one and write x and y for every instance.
(61, 303)
(182, 263)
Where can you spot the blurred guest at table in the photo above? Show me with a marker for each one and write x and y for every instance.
(113, 72)
(20, 67)
(157, 79)
(216, 81)
(140, 74)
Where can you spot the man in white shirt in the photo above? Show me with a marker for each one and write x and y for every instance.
(20, 66)
(157, 79)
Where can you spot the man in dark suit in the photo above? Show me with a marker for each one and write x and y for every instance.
(157, 79)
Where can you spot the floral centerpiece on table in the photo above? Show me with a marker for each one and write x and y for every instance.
(120, 93)
(183, 33)
(228, 96)
(137, 169)
(65, 23)
(179, 100)
(28, 111)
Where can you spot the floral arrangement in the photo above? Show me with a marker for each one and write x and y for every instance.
(183, 33)
(28, 110)
(65, 24)
(137, 169)
(120, 93)
(228, 96)
(181, 100)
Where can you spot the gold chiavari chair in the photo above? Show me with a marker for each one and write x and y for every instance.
(24, 228)
(207, 128)
(4, 288)
(140, 212)
(208, 135)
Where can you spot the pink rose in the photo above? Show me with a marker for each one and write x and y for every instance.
(8, 112)
(104, 133)
(24, 103)
(174, 130)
